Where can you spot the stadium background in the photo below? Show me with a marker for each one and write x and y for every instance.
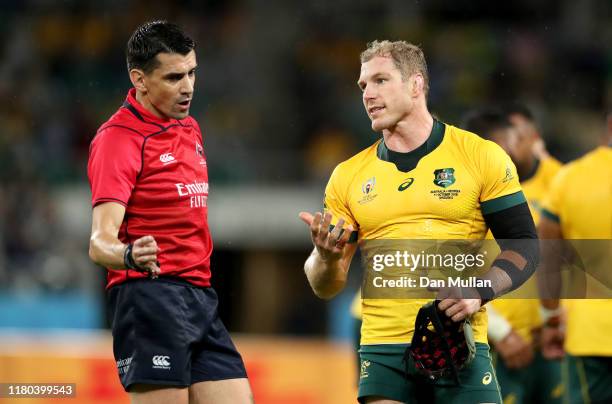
(277, 100)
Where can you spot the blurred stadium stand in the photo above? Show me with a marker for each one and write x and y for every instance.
(277, 100)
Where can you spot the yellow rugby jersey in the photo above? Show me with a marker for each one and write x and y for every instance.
(580, 200)
(523, 314)
(444, 196)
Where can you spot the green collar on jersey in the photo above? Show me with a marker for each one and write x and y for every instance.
(408, 161)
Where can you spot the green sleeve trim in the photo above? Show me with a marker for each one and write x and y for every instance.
(503, 202)
(549, 215)
(352, 237)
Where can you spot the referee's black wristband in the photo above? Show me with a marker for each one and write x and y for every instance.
(128, 259)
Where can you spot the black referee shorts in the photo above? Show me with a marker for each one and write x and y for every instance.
(167, 331)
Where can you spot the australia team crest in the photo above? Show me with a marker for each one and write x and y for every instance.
(444, 177)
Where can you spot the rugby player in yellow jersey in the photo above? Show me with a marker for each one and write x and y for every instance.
(524, 375)
(579, 206)
(423, 180)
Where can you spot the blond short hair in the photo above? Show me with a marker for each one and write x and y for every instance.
(408, 58)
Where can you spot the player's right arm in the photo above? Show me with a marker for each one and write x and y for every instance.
(107, 250)
(334, 235)
(115, 161)
(327, 266)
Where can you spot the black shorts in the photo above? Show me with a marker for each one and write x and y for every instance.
(167, 331)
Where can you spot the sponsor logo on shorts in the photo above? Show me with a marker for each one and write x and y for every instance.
(161, 362)
(167, 158)
(487, 378)
(364, 369)
(123, 365)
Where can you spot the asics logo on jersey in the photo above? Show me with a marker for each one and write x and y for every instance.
(166, 158)
(406, 184)
(161, 362)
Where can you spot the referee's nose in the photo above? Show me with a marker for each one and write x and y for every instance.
(187, 85)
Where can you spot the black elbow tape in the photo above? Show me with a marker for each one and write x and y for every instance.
(515, 274)
(519, 276)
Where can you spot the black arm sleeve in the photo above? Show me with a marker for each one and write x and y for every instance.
(514, 231)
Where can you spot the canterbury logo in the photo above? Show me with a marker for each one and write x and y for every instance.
(487, 378)
(166, 158)
(161, 361)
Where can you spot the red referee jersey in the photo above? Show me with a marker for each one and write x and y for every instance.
(157, 169)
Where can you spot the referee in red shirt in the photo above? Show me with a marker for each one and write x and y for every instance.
(149, 183)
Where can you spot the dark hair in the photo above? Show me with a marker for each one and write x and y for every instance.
(485, 121)
(154, 37)
(518, 109)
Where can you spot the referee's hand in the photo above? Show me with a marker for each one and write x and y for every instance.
(329, 244)
(144, 252)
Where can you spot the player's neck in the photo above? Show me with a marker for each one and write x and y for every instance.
(410, 132)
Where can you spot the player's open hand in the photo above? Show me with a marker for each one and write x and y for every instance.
(144, 252)
(329, 244)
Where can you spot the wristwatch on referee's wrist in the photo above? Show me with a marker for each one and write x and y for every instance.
(128, 259)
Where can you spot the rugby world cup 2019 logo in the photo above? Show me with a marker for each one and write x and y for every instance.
(367, 188)
(444, 177)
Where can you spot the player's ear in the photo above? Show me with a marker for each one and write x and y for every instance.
(418, 84)
(137, 78)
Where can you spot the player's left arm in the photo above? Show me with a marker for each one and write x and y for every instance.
(515, 232)
(506, 213)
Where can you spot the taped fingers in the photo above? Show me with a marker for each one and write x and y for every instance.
(335, 234)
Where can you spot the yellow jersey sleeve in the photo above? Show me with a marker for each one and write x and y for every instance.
(500, 184)
(336, 200)
(551, 205)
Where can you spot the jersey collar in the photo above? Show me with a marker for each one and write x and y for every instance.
(141, 112)
(408, 161)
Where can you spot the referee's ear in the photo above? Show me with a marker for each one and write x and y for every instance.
(137, 79)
